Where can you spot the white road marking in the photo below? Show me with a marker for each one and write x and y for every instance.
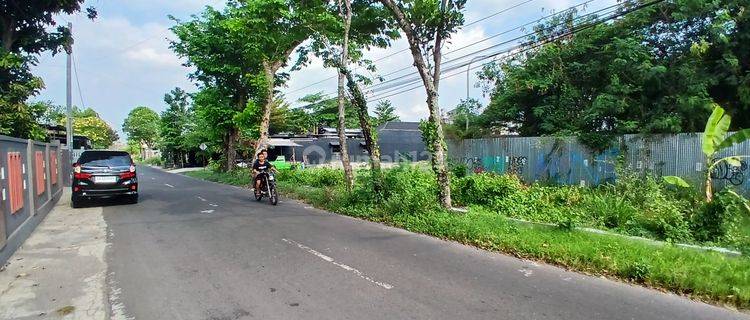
(169, 185)
(340, 265)
(207, 211)
(213, 205)
(199, 197)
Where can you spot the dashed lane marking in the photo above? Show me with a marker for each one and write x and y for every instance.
(340, 265)
(201, 198)
(169, 185)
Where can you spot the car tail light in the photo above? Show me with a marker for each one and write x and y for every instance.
(127, 175)
(134, 187)
(78, 174)
(82, 175)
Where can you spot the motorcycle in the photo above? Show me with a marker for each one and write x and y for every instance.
(268, 188)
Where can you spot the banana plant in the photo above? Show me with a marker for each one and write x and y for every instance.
(715, 139)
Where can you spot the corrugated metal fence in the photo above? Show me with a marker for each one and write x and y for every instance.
(566, 161)
(32, 178)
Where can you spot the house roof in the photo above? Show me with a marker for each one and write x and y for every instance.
(400, 126)
(278, 142)
(334, 130)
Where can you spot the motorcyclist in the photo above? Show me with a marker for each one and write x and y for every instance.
(261, 165)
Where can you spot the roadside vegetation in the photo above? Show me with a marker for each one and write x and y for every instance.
(642, 206)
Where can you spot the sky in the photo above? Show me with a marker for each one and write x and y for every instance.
(122, 58)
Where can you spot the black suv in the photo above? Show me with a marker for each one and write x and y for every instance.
(103, 174)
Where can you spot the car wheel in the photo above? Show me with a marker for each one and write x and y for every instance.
(76, 202)
(274, 196)
(132, 199)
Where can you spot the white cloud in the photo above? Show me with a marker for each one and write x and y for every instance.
(152, 56)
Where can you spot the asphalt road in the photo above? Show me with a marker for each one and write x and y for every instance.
(198, 250)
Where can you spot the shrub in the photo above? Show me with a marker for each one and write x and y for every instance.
(721, 220)
(487, 189)
(321, 177)
(214, 165)
(409, 190)
(458, 170)
(154, 161)
(659, 214)
(609, 210)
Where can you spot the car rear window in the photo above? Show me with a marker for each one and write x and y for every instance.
(105, 159)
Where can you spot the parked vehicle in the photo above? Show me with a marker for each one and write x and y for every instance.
(268, 188)
(104, 174)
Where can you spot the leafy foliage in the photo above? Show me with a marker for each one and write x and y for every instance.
(142, 125)
(25, 32)
(465, 120)
(173, 127)
(653, 71)
(384, 112)
(714, 140)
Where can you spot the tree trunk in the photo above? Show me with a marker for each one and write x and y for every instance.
(709, 187)
(230, 141)
(269, 69)
(270, 74)
(436, 137)
(371, 139)
(344, 147)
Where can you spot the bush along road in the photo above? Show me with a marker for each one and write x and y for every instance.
(636, 206)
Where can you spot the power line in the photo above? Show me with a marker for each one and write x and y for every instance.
(407, 48)
(448, 62)
(497, 13)
(78, 83)
(535, 45)
(411, 78)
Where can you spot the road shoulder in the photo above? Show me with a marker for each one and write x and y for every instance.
(60, 271)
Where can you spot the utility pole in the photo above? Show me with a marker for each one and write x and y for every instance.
(69, 93)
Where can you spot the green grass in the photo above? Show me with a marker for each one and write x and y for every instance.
(238, 177)
(707, 276)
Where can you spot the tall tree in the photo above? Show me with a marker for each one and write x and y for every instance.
(364, 24)
(427, 24)
(654, 70)
(24, 24)
(276, 28)
(142, 125)
(345, 11)
(24, 33)
(385, 112)
(86, 122)
(227, 65)
(173, 126)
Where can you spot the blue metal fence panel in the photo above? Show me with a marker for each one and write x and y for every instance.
(566, 161)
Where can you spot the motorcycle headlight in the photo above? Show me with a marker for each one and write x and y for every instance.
(270, 177)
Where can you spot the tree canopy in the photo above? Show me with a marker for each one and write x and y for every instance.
(385, 112)
(655, 70)
(142, 125)
(173, 127)
(25, 33)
